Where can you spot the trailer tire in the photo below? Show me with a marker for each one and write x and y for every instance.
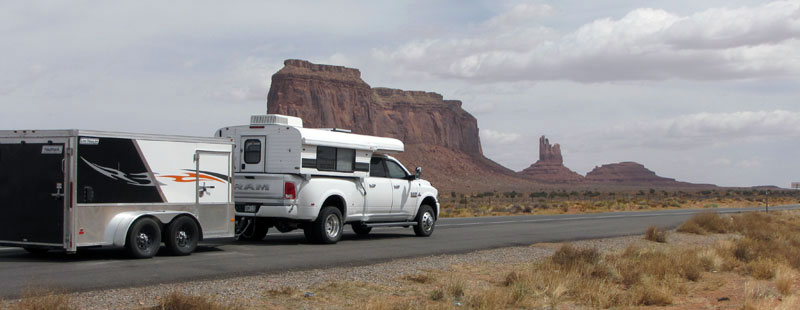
(426, 221)
(361, 229)
(144, 238)
(182, 236)
(327, 229)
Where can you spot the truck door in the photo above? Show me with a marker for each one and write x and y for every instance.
(252, 150)
(32, 190)
(379, 188)
(213, 188)
(401, 200)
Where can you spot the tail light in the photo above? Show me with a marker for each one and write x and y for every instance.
(289, 191)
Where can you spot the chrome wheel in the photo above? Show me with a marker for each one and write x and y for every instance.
(143, 241)
(427, 221)
(182, 239)
(332, 226)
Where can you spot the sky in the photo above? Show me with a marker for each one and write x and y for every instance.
(700, 91)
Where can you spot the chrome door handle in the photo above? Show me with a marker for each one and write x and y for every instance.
(396, 186)
(372, 186)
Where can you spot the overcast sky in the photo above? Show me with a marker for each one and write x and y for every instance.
(701, 91)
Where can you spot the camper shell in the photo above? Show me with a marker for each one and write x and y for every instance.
(286, 175)
(65, 189)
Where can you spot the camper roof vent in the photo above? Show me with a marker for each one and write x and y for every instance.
(337, 130)
(272, 119)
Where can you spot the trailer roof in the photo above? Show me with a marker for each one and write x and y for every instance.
(350, 140)
(108, 134)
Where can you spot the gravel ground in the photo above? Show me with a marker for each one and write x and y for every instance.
(254, 287)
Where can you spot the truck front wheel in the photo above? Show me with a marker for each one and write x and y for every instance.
(426, 221)
(327, 229)
(144, 238)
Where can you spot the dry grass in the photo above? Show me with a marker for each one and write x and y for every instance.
(655, 234)
(180, 301)
(45, 300)
(784, 278)
(706, 222)
(419, 278)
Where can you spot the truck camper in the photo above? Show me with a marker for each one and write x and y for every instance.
(67, 189)
(289, 177)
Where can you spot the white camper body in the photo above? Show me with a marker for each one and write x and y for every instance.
(287, 175)
(65, 189)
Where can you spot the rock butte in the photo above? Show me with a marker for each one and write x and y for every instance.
(439, 135)
(550, 166)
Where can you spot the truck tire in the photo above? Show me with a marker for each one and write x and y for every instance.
(256, 232)
(426, 221)
(360, 229)
(144, 238)
(182, 236)
(327, 229)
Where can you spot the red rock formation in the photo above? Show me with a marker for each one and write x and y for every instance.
(627, 172)
(550, 166)
(439, 135)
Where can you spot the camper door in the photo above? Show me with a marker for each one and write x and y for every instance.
(213, 189)
(252, 153)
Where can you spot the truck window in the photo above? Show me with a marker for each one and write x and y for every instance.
(335, 159)
(376, 168)
(252, 151)
(395, 172)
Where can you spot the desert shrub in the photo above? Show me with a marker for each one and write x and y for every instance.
(45, 300)
(456, 288)
(784, 277)
(570, 257)
(419, 278)
(511, 278)
(707, 222)
(437, 294)
(655, 234)
(180, 301)
(762, 269)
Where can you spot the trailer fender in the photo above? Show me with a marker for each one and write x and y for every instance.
(117, 229)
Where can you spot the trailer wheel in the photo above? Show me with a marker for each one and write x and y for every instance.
(426, 222)
(144, 238)
(327, 229)
(361, 229)
(181, 236)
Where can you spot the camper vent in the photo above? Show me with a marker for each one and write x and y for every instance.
(271, 119)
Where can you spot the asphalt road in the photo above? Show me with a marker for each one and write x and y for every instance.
(104, 268)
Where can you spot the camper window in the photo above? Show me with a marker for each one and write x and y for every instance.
(252, 151)
(395, 172)
(335, 159)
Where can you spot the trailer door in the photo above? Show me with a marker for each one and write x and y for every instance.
(32, 191)
(214, 197)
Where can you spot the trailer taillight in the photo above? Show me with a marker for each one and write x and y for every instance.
(289, 191)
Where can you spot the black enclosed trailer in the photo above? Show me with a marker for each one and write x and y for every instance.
(64, 189)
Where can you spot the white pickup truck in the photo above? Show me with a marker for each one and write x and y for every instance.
(290, 177)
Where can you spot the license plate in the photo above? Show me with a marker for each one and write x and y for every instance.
(250, 208)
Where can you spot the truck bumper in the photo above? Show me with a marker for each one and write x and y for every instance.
(286, 211)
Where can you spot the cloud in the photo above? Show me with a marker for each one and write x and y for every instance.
(645, 44)
(494, 137)
(702, 129)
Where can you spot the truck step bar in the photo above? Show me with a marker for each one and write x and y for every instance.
(390, 224)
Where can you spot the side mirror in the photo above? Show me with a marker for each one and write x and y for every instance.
(419, 173)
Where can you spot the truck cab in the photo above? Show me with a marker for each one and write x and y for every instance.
(289, 177)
